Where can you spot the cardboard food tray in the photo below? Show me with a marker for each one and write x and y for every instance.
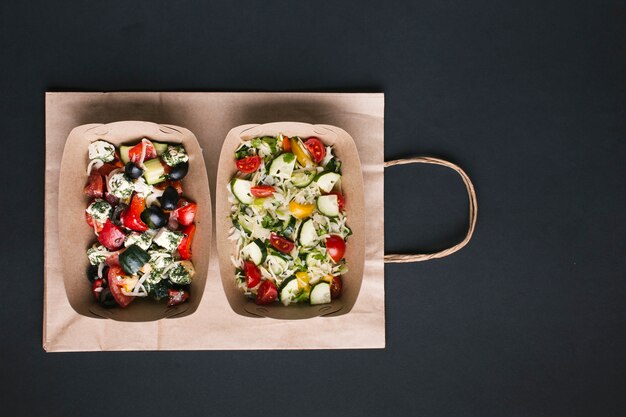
(352, 187)
(214, 325)
(75, 233)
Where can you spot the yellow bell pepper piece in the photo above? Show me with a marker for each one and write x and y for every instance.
(301, 152)
(301, 211)
(303, 280)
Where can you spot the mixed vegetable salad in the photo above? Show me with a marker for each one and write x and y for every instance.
(289, 222)
(144, 226)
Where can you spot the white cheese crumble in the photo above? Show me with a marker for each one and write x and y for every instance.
(101, 150)
(143, 240)
(99, 210)
(168, 239)
(120, 186)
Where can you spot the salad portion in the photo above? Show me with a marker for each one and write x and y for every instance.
(144, 226)
(288, 221)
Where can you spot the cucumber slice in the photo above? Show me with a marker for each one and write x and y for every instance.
(328, 205)
(124, 154)
(289, 227)
(241, 190)
(314, 258)
(289, 290)
(320, 294)
(154, 171)
(308, 234)
(159, 147)
(276, 264)
(282, 166)
(133, 259)
(303, 178)
(327, 181)
(256, 251)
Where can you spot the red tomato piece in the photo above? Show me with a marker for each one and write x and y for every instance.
(341, 200)
(134, 153)
(262, 191)
(185, 212)
(184, 248)
(253, 274)
(91, 221)
(336, 247)
(106, 169)
(97, 287)
(115, 285)
(316, 149)
(111, 236)
(95, 185)
(113, 260)
(131, 217)
(286, 144)
(335, 287)
(249, 164)
(267, 293)
(280, 243)
(176, 297)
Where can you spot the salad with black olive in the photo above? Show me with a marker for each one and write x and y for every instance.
(289, 221)
(143, 224)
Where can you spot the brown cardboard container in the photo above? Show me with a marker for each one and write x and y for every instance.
(76, 236)
(352, 188)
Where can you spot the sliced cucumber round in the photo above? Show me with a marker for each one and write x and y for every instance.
(276, 264)
(159, 147)
(241, 190)
(308, 234)
(289, 290)
(328, 205)
(124, 153)
(320, 294)
(255, 251)
(282, 165)
(327, 181)
(302, 178)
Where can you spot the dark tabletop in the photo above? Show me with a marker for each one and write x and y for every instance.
(528, 97)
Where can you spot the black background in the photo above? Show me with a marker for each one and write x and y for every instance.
(528, 97)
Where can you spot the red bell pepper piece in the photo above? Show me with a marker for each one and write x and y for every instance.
(131, 217)
(111, 236)
(184, 248)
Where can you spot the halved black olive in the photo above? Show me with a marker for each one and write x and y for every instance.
(179, 171)
(117, 212)
(154, 217)
(169, 199)
(92, 273)
(132, 171)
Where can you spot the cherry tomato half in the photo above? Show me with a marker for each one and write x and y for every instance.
(336, 247)
(280, 243)
(134, 153)
(253, 274)
(262, 191)
(316, 148)
(341, 200)
(249, 164)
(267, 293)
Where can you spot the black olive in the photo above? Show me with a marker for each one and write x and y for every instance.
(154, 217)
(132, 171)
(117, 212)
(169, 198)
(179, 171)
(92, 273)
(106, 298)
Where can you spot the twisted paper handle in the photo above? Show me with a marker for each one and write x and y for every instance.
(473, 211)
